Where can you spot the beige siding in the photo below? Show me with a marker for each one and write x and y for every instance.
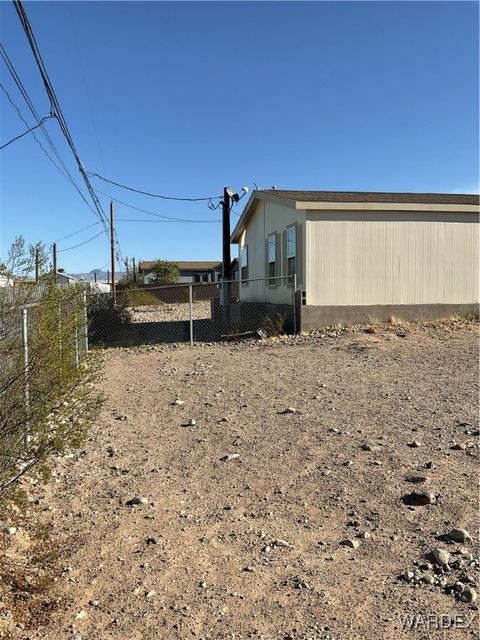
(268, 218)
(361, 258)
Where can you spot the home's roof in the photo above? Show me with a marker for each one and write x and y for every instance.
(184, 266)
(375, 196)
(361, 200)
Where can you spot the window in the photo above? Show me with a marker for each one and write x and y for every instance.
(244, 262)
(291, 251)
(272, 258)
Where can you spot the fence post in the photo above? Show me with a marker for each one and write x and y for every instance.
(26, 437)
(190, 304)
(294, 294)
(76, 359)
(85, 332)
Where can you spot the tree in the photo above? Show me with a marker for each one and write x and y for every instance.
(21, 259)
(165, 272)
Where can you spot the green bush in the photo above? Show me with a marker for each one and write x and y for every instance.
(47, 406)
(139, 298)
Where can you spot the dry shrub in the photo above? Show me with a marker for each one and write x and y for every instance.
(273, 326)
(139, 298)
(47, 406)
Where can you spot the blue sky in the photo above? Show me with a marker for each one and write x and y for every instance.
(184, 98)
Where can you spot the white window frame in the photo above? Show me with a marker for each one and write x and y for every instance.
(291, 254)
(244, 263)
(272, 243)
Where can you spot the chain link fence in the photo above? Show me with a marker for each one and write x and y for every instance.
(193, 312)
(43, 342)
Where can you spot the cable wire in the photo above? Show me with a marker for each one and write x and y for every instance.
(62, 168)
(75, 246)
(173, 220)
(26, 132)
(55, 106)
(150, 213)
(153, 195)
(75, 232)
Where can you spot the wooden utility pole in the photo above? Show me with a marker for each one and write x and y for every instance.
(227, 262)
(134, 270)
(95, 277)
(37, 265)
(112, 246)
(55, 262)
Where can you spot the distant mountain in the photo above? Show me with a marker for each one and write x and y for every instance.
(90, 277)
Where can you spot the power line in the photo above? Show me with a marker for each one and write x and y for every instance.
(15, 106)
(153, 195)
(150, 213)
(55, 105)
(75, 232)
(172, 220)
(62, 168)
(26, 132)
(87, 90)
(75, 246)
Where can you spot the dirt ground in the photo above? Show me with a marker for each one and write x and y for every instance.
(250, 547)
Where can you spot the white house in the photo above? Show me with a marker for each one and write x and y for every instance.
(63, 278)
(191, 271)
(361, 256)
(5, 281)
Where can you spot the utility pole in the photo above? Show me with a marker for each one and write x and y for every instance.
(95, 277)
(227, 262)
(55, 262)
(37, 264)
(112, 246)
(108, 277)
(134, 271)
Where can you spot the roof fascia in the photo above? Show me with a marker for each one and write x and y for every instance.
(387, 206)
(250, 206)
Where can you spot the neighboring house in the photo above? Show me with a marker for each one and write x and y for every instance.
(63, 278)
(361, 256)
(6, 281)
(97, 287)
(200, 271)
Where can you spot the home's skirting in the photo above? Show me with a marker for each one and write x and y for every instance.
(314, 317)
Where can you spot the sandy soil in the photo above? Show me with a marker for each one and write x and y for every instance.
(250, 547)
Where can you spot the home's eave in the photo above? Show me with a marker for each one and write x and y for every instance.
(249, 208)
(329, 205)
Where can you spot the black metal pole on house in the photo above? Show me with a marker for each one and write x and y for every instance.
(227, 262)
